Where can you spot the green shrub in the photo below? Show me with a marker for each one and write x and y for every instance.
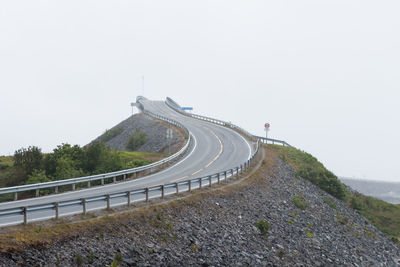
(136, 140)
(118, 257)
(281, 253)
(79, 259)
(110, 134)
(300, 202)
(309, 234)
(263, 226)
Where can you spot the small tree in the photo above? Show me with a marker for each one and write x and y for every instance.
(28, 159)
(136, 140)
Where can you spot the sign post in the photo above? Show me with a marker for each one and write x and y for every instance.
(169, 136)
(266, 129)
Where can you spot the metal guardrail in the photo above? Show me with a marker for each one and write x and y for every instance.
(114, 175)
(172, 104)
(60, 209)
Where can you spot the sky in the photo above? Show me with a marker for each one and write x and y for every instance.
(324, 74)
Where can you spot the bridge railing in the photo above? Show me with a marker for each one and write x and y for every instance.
(123, 174)
(26, 214)
(172, 104)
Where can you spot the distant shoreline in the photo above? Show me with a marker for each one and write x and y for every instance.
(388, 191)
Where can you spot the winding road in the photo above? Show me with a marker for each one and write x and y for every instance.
(214, 149)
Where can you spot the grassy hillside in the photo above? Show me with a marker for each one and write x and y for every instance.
(383, 215)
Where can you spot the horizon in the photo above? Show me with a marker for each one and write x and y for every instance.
(327, 86)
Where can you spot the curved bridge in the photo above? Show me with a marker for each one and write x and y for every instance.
(216, 151)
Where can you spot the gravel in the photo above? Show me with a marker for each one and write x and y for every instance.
(155, 131)
(218, 229)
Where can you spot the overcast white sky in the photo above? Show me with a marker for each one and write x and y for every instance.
(325, 74)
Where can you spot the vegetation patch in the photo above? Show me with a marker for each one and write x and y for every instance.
(300, 202)
(263, 226)
(309, 234)
(136, 140)
(30, 165)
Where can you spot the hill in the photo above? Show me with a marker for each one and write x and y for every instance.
(272, 216)
(117, 138)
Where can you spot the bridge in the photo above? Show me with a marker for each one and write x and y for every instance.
(214, 151)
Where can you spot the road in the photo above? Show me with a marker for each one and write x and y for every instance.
(214, 149)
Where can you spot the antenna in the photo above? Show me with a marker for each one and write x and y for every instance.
(143, 85)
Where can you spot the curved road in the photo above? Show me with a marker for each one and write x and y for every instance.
(215, 148)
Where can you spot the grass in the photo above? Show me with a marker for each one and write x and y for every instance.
(6, 162)
(300, 202)
(385, 216)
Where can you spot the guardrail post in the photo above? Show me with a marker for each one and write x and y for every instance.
(147, 194)
(57, 210)
(128, 194)
(37, 192)
(124, 177)
(162, 191)
(225, 174)
(237, 171)
(108, 202)
(73, 187)
(177, 188)
(190, 185)
(84, 205)
(200, 182)
(218, 178)
(231, 173)
(25, 210)
(88, 184)
(56, 189)
(114, 179)
(209, 181)
(241, 168)
(102, 181)
(15, 196)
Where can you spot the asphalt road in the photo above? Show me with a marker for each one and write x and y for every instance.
(215, 149)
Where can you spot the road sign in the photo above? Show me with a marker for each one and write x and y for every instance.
(266, 129)
(187, 108)
(169, 133)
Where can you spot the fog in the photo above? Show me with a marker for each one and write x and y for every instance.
(325, 74)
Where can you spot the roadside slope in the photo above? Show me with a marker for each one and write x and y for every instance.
(118, 136)
(215, 228)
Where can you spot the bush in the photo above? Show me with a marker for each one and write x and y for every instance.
(38, 177)
(300, 202)
(263, 226)
(28, 159)
(136, 140)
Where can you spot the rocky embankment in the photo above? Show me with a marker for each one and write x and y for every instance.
(155, 131)
(217, 227)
